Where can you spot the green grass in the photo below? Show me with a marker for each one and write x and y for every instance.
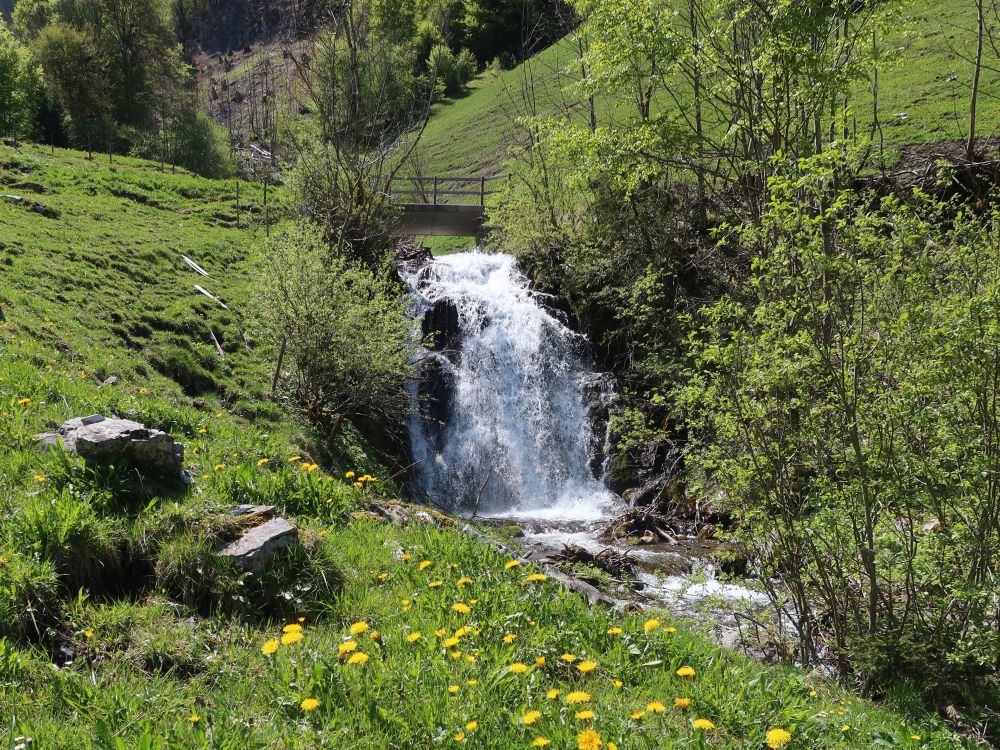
(113, 579)
(930, 85)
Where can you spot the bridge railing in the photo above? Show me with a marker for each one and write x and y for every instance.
(442, 190)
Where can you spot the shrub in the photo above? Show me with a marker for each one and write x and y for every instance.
(453, 71)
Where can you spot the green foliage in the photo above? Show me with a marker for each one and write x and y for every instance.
(200, 145)
(343, 330)
(846, 406)
(19, 86)
(453, 71)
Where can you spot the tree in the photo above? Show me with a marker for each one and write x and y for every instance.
(16, 84)
(970, 146)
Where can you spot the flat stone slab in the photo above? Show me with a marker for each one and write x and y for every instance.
(256, 546)
(267, 511)
(97, 438)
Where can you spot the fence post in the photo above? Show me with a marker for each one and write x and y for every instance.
(482, 191)
(435, 191)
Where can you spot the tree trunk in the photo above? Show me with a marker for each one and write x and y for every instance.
(970, 146)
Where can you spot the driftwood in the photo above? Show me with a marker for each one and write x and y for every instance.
(639, 521)
(609, 560)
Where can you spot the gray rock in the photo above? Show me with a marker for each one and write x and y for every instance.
(113, 380)
(267, 511)
(103, 440)
(252, 550)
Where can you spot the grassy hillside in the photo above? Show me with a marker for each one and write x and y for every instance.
(120, 628)
(924, 97)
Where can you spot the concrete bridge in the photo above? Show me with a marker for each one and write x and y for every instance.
(443, 206)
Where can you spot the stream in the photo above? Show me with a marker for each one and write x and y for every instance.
(504, 430)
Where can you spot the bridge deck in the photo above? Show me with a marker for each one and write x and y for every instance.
(434, 215)
(441, 220)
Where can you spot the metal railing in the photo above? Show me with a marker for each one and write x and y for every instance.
(437, 191)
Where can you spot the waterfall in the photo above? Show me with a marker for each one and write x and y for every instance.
(500, 423)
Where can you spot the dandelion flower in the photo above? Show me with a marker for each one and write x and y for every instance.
(577, 696)
(509, 638)
(472, 726)
(540, 661)
(269, 647)
(414, 637)
(346, 648)
(915, 737)
(655, 707)
(777, 738)
(845, 728)
(434, 584)
(612, 746)
(586, 667)
(440, 632)
(585, 715)
(459, 736)
(220, 467)
(670, 630)
(453, 689)
(537, 577)
(813, 693)
(703, 725)
(463, 581)
(88, 634)
(262, 461)
(541, 742)
(450, 642)
(568, 658)
(358, 628)
(588, 740)
(686, 671)
(424, 565)
(39, 478)
(359, 658)
(472, 683)
(405, 557)
(309, 705)
(194, 718)
(293, 459)
(637, 715)
(463, 631)
(24, 402)
(531, 717)
(512, 564)
(518, 668)
(651, 625)
(614, 631)
(617, 683)
(290, 639)
(461, 607)
(292, 628)
(682, 703)
(552, 694)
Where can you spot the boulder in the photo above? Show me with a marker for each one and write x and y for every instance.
(102, 440)
(252, 550)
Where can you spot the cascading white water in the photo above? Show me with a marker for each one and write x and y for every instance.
(510, 434)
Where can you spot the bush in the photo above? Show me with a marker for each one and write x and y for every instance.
(343, 330)
(453, 71)
(201, 146)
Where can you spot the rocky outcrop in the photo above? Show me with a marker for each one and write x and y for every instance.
(102, 440)
(259, 544)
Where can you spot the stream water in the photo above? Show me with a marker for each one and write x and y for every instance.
(503, 431)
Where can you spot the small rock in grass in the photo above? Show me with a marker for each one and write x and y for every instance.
(252, 550)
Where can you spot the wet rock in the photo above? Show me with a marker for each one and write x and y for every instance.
(440, 323)
(101, 440)
(258, 545)
(598, 391)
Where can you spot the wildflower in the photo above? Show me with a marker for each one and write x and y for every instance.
(359, 627)
(88, 634)
(459, 736)
(293, 459)
(777, 738)
(509, 638)
(552, 694)
(472, 683)
(202, 430)
(568, 658)
(585, 715)
(289, 639)
(586, 667)
(220, 467)
(540, 661)
(685, 671)
(461, 607)
(262, 461)
(450, 642)
(512, 564)
(614, 631)
(424, 564)
(292, 628)
(637, 715)
(845, 728)
(405, 557)
(703, 725)
(463, 631)
(434, 584)
(474, 602)
(577, 696)
(414, 637)
(359, 658)
(269, 647)
(669, 630)
(612, 746)
(453, 689)
(682, 703)
(462, 581)
(346, 648)
(915, 737)
(541, 742)
(39, 478)
(651, 625)
(536, 577)
(588, 740)
(24, 402)
(813, 693)
(531, 717)
(349, 475)
(375, 636)
(655, 707)
(383, 577)
(472, 726)
(440, 632)
(518, 668)
(309, 705)
(194, 718)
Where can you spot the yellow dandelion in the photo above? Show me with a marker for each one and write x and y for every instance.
(220, 467)
(670, 630)
(540, 661)
(651, 625)
(777, 738)
(293, 459)
(269, 647)
(24, 402)
(568, 658)
(453, 689)
(655, 707)
(424, 565)
(615, 631)
(612, 746)
(359, 627)
(703, 725)
(262, 461)
(414, 637)
(383, 577)
(440, 632)
(346, 648)
(194, 718)
(202, 430)
(531, 717)
(541, 742)
(588, 740)
(845, 728)
(309, 705)
(292, 628)
(459, 736)
(586, 667)
(39, 478)
(359, 658)
(349, 475)
(686, 672)
(472, 683)
(88, 634)
(518, 668)
(577, 696)
(463, 581)
(405, 557)
(915, 737)
(512, 564)
(536, 577)
(290, 639)
(552, 694)
(434, 584)
(637, 715)
(471, 726)
(509, 638)
(813, 693)
(463, 631)
(461, 607)
(682, 703)
(585, 715)
(450, 642)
